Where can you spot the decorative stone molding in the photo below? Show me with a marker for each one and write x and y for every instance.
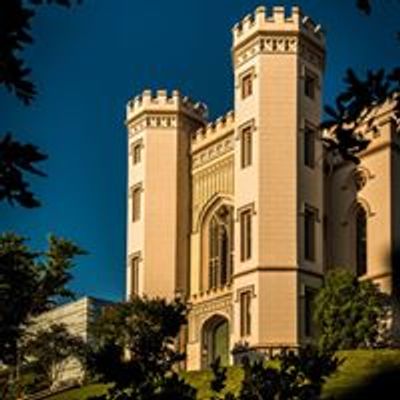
(205, 305)
(212, 152)
(248, 124)
(358, 178)
(138, 185)
(135, 254)
(248, 288)
(280, 44)
(306, 206)
(359, 202)
(251, 206)
(217, 178)
(154, 121)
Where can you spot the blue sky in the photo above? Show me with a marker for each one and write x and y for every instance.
(88, 61)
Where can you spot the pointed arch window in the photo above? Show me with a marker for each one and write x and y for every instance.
(220, 247)
(361, 240)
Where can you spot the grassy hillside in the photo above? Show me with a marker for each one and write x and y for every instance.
(359, 366)
(82, 393)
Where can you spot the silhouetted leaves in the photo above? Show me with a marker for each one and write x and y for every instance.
(30, 282)
(354, 105)
(15, 159)
(136, 350)
(15, 76)
(219, 376)
(298, 376)
(15, 34)
(353, 115)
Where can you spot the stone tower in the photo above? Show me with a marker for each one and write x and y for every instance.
(159, 128)
(278, 70)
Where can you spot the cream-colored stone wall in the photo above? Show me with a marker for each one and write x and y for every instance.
(161, 235)
(190, 167)
(212, 185)
(278, 301)
(278, 51)
(377, 168)
(77, 317)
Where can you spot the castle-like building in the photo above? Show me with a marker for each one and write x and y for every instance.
(244, 215)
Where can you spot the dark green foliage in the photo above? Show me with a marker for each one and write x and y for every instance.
(15, 159)
(47, 351)
(298, 377)
(354, 105)
(353, 109)
(219, 376)
(15, 35)
(350, 313)
(381, 385)
(136, 350)
(30, 283)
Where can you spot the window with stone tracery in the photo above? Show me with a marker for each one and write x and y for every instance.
(220, 247)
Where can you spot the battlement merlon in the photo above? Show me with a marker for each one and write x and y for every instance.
(164, 102)
(213, 131)
(277, 21)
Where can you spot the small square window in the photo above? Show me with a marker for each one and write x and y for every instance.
(247, 85)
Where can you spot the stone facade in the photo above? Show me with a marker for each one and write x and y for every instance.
(244, 215)
(77, 316)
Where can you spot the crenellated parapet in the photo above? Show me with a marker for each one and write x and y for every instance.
(163, 102)
(212, 132)
(277, 21)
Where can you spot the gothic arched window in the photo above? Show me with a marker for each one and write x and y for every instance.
(220, 247)
(361, 241)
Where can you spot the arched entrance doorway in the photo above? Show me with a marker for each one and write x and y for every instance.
(215, 341)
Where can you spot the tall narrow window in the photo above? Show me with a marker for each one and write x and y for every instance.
(214, 256)
(247, 85)
(224, 255)
(246, 146)
(310, 83)
(137, 152)
(309, 147)
(245, 235)
(361, 241)
(309, 297)
(309, 233)
(136, 203)
(135, 275)
(245, 313)
(220, 247)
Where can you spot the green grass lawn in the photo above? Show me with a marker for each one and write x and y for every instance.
(80, 393)
(359, 366)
